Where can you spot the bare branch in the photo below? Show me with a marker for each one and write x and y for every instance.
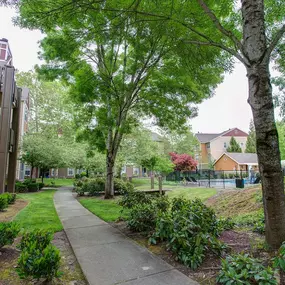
(274, 42)
(219, 26)
(221, 46)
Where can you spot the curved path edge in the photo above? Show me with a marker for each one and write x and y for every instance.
(106, 255)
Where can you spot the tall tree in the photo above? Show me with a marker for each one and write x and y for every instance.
(121, 72)
(251, 139)
(252, 33)
(50, 111)
(234, 146)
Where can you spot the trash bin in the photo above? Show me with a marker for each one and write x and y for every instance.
(239, 183)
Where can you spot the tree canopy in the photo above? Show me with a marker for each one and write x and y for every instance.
(234, 146)
(251, 139)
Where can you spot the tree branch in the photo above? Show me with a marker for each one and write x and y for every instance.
(274, 42)
(219, 26)
(221, 46)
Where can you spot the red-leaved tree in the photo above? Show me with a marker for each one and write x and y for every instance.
(183, 162)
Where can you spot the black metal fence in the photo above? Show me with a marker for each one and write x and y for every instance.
(213, 178)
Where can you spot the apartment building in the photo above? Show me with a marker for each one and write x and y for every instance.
(213, 145)
(11, 98)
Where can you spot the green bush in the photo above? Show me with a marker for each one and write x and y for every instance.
(162, 203)
(8, 232)
(41, 185)
(11, 197)
(39, 263)
(79, 191)
(190, 229)
(142, 218)
(122, 187)
(242, 269)
(41, 238)
(83, 174)
(21, 187)
(77, 176)
(134, 198)
(3, 202)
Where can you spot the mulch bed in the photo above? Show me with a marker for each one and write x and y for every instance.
(9, 213)
(72, 274)
(237, 241)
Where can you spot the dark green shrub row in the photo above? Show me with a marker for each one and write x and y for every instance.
(28, 185)
(97, 185)
(7, 199)
(8, 232)
(39, 258)
(189, 227)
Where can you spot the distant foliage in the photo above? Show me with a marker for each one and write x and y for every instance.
(234, 146)
(251, 139)
(183, 162)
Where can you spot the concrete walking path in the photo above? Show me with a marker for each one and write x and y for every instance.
(106, 256)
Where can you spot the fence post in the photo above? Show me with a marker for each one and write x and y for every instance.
(152, 181)
(209, 178)
(224, 179)
(160, 184)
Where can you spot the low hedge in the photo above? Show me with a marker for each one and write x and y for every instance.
(97, 185)
(28, 185)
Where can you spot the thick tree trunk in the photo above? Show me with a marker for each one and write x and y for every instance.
(31, 174)
(109, 186)
(255, 52)
(260, 100)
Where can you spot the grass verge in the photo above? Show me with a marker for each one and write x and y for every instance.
(192, 193)
(107, 210)
(40, 213)
(58, 182)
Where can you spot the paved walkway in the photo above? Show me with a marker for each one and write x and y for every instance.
(106, 256)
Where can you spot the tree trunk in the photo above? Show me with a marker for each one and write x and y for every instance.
(31, 174)
(151, 181)
(109, 186)
(255, 52)
(260, 100)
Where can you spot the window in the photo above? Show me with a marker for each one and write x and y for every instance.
(241, 144)
(27, 170)
(225, 145)
(208, 145)
(52, 172)
(70, 171)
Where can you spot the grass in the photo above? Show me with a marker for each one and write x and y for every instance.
(192, 193)
(40, 213)
(107, 210)
(58, 182)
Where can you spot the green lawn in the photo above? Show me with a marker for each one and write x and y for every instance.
(107, 210)
(57, 181)
(40, 213)
(192, 193)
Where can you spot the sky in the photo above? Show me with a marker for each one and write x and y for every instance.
(227, 109)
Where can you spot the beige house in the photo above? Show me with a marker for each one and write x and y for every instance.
(212, 146)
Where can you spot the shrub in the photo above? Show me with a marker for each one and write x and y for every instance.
(39, 263)
(79, 191)
(21, 187)
(134, 198)
(83, 174)
(225, 224)
(242, 269)
(3, 202)
(11, 197)
(162, 203)
(77, 176)
(122, 187)
(41, 185)
(95, 186)
(41, 238)
(8, 232)
(142, 218)
(33, 187)
(190, 228)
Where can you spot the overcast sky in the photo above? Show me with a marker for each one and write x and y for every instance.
(227, 109)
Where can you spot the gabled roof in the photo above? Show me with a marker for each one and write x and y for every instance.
(241, 158)
(207, 137)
